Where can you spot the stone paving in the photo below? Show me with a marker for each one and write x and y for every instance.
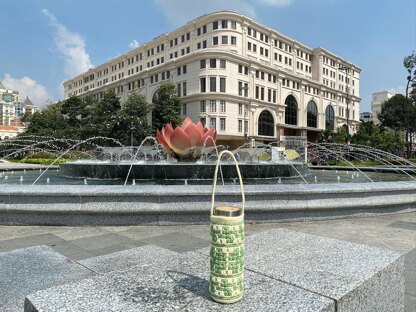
(395, 232)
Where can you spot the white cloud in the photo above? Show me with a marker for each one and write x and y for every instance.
(72, 47)
(179, 12)
(27, 86)
(134, 44)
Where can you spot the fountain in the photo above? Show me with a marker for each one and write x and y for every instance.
(288, 180)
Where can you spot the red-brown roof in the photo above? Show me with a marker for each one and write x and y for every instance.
(8, 128)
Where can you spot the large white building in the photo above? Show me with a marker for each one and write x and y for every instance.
(378, 98)
(238, 76)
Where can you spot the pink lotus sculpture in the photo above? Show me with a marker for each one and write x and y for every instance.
(187, 140)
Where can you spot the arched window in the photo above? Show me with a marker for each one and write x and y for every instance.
(266, 123)
(312, 118)
(155, 95)
(291, 111)
(329, 118)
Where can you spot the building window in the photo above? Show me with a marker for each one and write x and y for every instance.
(233, 40)
(212, 106)
(202, 64)
(178, 87)
(291, 111)
(213, 123)
(312, 115)
(240, 125)
(215, 25)
(213, 84)
(213, 63)
(184, 109)
(203, 121)
(203, 84)
(184, 89)
(215, 40)
(222, 124)
(233, 25)
(224, 24)
(240, 109)
(222, 63)
(224, 39)
(222, 84)
(222, 106)
(329, 118)
(266, 124)
(202, 106)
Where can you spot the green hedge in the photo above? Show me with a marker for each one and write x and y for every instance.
(44, 161)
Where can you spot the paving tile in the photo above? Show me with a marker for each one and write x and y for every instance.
(409, 303)
(143, 256)
(99, 242)
(28, 241)
(178, 242)
(404, 225)
(410, 282)
(71, 251)
(410, 260)
(116, 248)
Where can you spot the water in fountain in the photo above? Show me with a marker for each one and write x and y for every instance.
(138, 150)
(262, 155)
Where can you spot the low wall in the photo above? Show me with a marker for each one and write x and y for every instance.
(175, 204)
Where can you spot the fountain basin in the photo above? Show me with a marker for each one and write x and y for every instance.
(178, 170)
(173, 204)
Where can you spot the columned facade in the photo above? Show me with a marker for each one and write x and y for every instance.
(246, 80)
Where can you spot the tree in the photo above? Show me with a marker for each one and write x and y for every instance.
(394, 112)
(167, 107)
(409, 62)
(105, 114)
(132, 125)
(339, 135)
(368, 134)
(48, 122)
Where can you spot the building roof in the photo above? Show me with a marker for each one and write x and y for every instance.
(8, 128)
(28, 102)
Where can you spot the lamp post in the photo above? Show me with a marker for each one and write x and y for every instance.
(245, 94)
(132, 128)
(347, 90)
(407, 121)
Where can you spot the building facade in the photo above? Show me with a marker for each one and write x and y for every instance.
(378, 98)
(244, 79)
(11, 106)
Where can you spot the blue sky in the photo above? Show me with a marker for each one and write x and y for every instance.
(45, 42)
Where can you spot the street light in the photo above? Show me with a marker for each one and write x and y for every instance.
(132, 128)
(347, 90)
(407, 110)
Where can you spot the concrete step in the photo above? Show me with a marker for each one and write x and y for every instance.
(24, 271)
(285, 271)
(28, 270)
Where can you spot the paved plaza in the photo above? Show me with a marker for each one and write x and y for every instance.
(395, 232)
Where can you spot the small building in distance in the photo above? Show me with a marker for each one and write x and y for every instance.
(377, 101)
(11, 109)
(366, 117)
